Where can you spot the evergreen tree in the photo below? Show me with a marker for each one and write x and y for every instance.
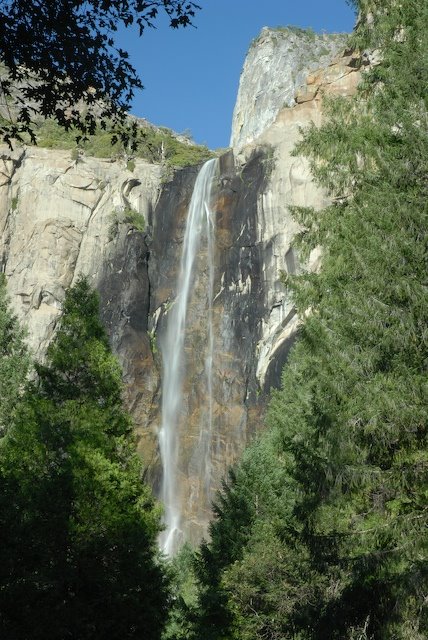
(346, 558)
(14, 360)
(78, 526)
(183, 596)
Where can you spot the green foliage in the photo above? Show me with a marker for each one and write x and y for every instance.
(334, 495)
(51, 135)
(308, 34)
(135, 219)
(153, 341)
(155, 145)
(183, 593)
(78, 525)
(14, 360)
(126, 216)
(237, 510)
(324, 51)
(64, 63)
(268, 161)
(181, 155)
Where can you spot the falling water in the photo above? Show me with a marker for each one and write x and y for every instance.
(199, 223)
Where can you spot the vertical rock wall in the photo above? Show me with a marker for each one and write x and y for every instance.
(276, 65)
(237, 309)
(60, 218)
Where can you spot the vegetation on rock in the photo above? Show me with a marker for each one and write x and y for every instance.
(126, 216)
(157, 145)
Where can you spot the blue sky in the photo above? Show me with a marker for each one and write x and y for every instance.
(191, 76)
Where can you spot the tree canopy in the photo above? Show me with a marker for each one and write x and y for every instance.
(61, 61)
(78, 525)
(323, 531)
(14, 360)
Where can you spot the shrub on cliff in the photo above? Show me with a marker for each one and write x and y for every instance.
(157, 145)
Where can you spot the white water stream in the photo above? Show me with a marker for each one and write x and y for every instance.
(200, 225)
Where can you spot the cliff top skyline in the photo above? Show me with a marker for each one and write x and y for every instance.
(191, 76)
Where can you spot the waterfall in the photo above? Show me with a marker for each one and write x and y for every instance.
(199, 227)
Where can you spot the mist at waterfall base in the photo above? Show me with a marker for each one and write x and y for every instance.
(200, 228)
(191, 75)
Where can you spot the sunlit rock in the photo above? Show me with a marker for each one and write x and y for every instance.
(60, 217)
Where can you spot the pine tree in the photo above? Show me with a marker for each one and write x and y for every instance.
(14, 360)
(340, 551)
(78, 526)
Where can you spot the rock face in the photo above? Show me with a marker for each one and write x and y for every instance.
(254, 320)
(276, 65)
(237, 309)
(60, 218)
(289, 184)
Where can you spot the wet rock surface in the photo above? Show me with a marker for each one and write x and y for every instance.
(60, 218)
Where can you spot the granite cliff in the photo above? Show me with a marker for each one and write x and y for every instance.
(60, 217)
(275, 67)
